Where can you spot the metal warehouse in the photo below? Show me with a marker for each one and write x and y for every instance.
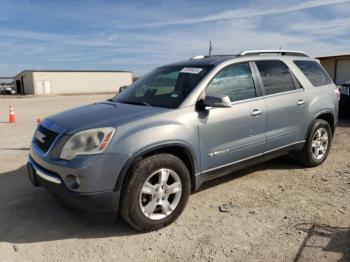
(45, 82)
(338, 67)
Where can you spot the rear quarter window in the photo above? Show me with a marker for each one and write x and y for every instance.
(314, 72)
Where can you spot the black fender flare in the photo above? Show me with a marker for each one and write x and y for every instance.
(316, 117)
(137, 156)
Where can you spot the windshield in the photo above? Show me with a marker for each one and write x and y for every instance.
(164, 87)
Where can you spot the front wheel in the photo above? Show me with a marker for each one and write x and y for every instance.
(156, 192)
(317, 145)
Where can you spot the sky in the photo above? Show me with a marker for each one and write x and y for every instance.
(141, 35)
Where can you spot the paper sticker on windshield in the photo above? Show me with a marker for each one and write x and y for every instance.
(191, 70)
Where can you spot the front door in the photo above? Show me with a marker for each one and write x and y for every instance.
(230, 135)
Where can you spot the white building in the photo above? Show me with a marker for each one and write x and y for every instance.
(44, 82)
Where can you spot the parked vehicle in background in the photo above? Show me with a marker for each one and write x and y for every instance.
(6, 91)
(344, 103)
(144, 151)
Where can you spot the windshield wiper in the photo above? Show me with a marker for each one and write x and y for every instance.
(135, 103)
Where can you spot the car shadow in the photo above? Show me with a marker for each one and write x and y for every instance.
(338, 240)
(29, 214)
(286, 162)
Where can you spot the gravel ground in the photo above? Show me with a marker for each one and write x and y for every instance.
(276, 211)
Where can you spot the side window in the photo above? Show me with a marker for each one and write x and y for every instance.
(314, 72)
(235, 81)
(275, 76)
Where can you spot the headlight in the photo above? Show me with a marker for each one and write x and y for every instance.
(87, 142)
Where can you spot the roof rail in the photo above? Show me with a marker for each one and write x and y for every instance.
(278, 52)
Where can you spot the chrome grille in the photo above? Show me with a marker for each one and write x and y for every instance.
(44, 138)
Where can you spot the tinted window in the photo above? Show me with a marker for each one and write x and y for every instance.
(164, 87)
(235, 81)
(275, 76)
(314, 72)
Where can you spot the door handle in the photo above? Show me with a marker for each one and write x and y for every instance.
(300, 102)
(256, 112)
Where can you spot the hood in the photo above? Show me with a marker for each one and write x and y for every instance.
(101, 114)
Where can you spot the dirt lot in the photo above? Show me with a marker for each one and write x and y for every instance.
(276, 211)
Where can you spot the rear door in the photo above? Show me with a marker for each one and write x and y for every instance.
(285, 104)
(230, 135)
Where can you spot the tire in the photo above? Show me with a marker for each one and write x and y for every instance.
(136, 205)
(307, 157)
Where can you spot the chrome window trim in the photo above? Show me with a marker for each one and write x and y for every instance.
(266, 96)
(246, 100)
(285, 92)
(257, 85)
(197, 91)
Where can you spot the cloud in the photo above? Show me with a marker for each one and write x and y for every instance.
(140, 47)
(328, 27)
(241, 13)
(57, 38)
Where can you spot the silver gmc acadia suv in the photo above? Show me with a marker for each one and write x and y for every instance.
(142, 152)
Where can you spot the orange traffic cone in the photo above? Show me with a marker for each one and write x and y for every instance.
(12, 116)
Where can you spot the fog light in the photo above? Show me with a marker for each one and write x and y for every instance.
(72, 181)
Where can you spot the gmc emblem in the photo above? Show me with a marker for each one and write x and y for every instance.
(40, 136)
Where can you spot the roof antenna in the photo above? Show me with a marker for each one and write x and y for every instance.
(210, 48)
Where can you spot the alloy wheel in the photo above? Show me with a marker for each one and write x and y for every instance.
(319, 144)
(160, 194)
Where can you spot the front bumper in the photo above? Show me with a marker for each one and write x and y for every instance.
(94, 177)
(105, 202)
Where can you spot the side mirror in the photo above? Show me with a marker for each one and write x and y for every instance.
(217, 101)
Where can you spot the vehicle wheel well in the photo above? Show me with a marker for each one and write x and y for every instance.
(178, 151)
(328, 117)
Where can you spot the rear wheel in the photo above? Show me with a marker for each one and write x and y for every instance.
(317, 145)
(156, 192)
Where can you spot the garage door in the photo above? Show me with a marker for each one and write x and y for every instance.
(343, 71)
(43, 87)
